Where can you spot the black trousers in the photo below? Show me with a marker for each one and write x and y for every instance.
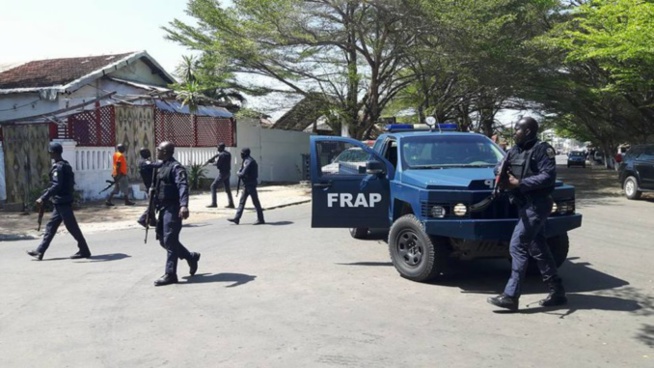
(249, 190)
(169, 226)
(63, 213)
(221, 180)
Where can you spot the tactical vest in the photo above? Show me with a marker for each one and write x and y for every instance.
(167, 188)
(65, 195)
(521, 167)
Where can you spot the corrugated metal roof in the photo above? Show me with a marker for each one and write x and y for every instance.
(174, 106)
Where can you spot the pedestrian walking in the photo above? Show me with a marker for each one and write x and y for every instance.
(60, 192)
(224, 166)
(248, 175)
(530, 185)
(172, 204)
(119, 173)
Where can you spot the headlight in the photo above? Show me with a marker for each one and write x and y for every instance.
(438, 211)
(460, 209)
(563, 207)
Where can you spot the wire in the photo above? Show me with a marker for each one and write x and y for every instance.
(21, 106)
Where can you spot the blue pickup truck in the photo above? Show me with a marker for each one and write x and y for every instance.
(420, 185)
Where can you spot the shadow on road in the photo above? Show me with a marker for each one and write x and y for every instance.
(237, 279)
(108, 257)
(202, 224)
(366, 264)
(279, 223)
(490, 276)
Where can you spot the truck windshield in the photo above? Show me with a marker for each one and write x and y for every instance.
(445, 151)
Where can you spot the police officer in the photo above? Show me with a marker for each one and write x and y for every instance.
(60, 192)
(248, 174)
(172, 204)
(147, 170)
(224, 168)
(530, 184)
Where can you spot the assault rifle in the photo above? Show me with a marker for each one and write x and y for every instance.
(41, 207)
(111, 184)
(151, 198)
(238, 186)
(501, 177)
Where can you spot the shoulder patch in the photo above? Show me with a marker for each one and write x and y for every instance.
(550, 152)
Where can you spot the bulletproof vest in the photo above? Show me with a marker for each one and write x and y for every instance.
(250, 178)
(167, 188)
(67, 178)
(223, 164)
(521, 162)
(521, 167)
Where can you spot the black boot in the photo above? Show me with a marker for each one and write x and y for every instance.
(504, 301)
(556, 295)
(166, 279)
(193, 263)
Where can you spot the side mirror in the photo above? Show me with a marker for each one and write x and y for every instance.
(375, 168)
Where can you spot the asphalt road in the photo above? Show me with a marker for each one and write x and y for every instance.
(286, 295)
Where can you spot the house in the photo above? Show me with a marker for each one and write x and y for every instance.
(308, 115)
(89, 104)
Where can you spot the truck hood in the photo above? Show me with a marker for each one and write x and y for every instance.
(450, 178)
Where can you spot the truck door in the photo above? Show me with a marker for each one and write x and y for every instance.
(644, 164)
(343, 195)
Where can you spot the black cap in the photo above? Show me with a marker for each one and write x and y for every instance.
(246, 151)
(55, 148)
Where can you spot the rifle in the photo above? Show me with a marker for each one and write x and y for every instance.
(238, 186)
(41, 207)
(111, 184)
(502, 176)
(151, 198)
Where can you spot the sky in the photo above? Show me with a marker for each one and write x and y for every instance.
(45, 29)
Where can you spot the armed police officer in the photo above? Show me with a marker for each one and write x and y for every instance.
(147, 171)
(530, 184)
(223, 164)
(60, 192)
(248, 175)
(172, 204)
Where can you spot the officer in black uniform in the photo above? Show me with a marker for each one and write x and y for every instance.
(146, 169)
(172, 204)
(248, 174)
(60, 192)
(224, 168)
(530, 184)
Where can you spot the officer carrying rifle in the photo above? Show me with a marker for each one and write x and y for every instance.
(60, 192)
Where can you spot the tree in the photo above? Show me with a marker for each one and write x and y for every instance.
(349, 50)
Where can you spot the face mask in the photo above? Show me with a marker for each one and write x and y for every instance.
(243, 156)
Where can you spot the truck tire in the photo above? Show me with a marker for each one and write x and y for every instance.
(559, 246)
(413, 253)
(630, 187)
(359, 232)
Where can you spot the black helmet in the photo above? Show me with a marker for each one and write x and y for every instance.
(55, 148)
(144, 152)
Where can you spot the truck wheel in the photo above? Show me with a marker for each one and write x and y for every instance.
(413, 253)
(630, 187)
(359, 232)
(559, 246)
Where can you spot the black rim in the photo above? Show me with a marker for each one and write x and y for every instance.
(409, 248)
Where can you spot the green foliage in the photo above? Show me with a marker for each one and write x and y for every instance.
(195, 172)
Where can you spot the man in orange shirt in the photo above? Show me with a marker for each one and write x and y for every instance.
(119, 174)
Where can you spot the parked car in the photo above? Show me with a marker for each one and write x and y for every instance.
(577, 158)
(636, 171)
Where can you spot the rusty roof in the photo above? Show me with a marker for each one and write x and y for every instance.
(54, 72)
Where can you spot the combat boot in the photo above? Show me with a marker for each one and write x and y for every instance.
(504, 301)
(556, 295)
(166, 279)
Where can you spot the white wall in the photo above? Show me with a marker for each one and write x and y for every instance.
(278, 152)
